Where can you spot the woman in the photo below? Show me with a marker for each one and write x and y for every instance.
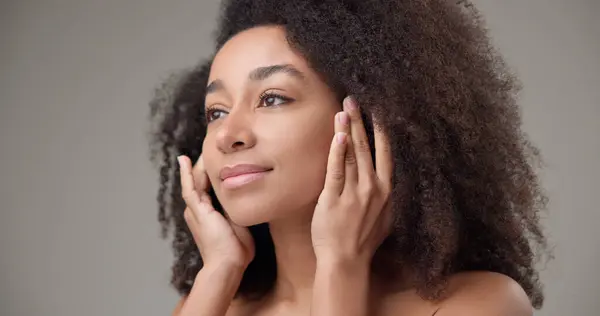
(349, 158)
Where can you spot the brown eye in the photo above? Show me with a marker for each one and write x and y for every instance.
(271, 99)
(214, 114)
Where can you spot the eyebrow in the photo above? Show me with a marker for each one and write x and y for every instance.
(260, 74)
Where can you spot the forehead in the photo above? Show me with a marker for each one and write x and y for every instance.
(257, 47)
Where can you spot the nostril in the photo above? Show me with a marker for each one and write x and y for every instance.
(237, 145)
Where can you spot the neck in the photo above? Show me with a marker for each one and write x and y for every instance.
(296, 261)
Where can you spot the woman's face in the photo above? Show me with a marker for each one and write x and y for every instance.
(270, 122)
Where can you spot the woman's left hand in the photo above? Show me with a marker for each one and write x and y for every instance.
(353, 215)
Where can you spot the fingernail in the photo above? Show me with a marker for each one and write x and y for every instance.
(343, 118)
(350, 103)
(179, 158)
(341, 138)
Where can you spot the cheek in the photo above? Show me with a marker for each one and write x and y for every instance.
(313, 146)
(304, 156)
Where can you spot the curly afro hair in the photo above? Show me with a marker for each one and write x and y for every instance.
(466, 195)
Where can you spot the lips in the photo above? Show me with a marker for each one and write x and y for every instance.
(243, 169)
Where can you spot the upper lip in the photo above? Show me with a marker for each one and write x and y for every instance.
(228, 172)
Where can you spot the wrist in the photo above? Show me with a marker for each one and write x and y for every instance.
(354, 268)
(230, 270)
(224, 277)
(228, 275)
(343, 262)
(341, 286)
(213, 290)
(229, 266)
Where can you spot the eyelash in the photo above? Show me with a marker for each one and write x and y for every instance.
(265, 95)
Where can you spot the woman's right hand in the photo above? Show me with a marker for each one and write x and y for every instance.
(220, 241)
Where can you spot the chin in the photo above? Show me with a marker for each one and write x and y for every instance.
(245, 213)
(261, 206)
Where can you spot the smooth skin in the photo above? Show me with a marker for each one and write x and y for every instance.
(334, 238)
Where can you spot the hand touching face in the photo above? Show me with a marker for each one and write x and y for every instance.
(353, 215)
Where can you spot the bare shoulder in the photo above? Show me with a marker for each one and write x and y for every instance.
(468, 294)
(484, 294)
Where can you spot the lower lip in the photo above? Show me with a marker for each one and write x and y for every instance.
(243, 179)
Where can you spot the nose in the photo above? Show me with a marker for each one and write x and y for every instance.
(235, 133)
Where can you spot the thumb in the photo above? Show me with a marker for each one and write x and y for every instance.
(246, 239)
(242, 233)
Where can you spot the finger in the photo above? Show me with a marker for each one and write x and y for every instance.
(362, 151)
(194, 228)
(334, 179)
(342, 125)
(192, 223)
(190, 218)
(243, 233)
(240, 231)
(201, 180)
(383, 156)
(188, 190)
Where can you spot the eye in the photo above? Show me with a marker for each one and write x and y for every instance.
(214, 114)
(268, 99)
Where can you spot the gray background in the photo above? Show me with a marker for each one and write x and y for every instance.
(78, 230)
